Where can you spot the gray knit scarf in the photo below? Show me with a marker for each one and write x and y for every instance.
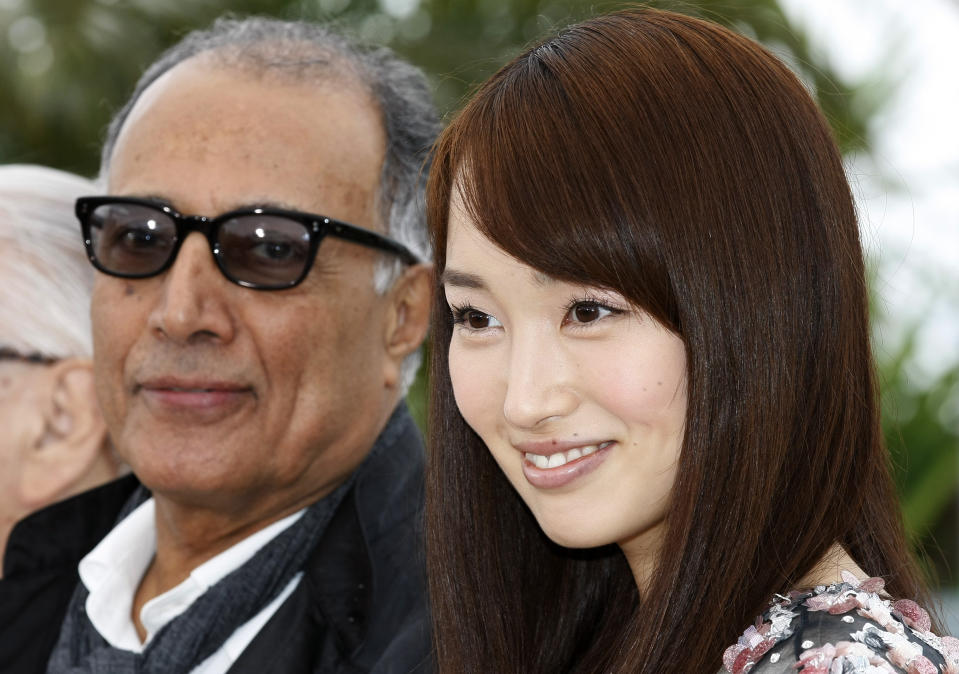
(194, 635)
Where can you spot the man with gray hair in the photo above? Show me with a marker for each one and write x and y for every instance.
(262, 288)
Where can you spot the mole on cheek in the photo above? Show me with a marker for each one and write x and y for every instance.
(129, 290)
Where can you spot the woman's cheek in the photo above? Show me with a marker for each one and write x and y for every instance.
(465, 388)
(473, 374)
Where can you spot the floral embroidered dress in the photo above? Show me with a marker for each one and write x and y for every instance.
(845, 628)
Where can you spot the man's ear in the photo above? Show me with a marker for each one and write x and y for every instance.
(408, 317)
(71, 453)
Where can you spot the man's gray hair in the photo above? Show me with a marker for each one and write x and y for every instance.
(45, 278)
(310, 52)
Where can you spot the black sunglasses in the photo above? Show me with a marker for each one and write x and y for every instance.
(260, 248)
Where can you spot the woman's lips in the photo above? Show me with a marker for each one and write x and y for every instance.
(559, 468)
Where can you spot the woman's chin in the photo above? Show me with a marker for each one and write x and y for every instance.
(573, 535)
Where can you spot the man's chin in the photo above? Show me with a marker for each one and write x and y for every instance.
(194, 470)
(199, 491)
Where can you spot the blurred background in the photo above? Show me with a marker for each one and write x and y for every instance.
(883, 73)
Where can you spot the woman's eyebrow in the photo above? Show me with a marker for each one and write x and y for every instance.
(462, 279)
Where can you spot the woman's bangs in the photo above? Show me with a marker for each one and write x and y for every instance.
(531, 180)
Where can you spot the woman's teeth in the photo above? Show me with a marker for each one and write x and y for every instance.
(562, 458)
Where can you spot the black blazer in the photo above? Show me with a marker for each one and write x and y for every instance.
(361, 606)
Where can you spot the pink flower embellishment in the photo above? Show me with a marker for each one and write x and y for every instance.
(816, 660)
(820, 602)
(921, 665)
(845, 606)
(950, 649)
(741, 657)
(876, 585)
(913, 614)
(730, 655)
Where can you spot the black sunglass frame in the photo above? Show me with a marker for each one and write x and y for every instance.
(317, 227)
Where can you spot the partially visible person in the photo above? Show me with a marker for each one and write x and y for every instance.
(654, 415)
(53, 440)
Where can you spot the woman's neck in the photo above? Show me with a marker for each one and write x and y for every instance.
(642, 554)
(828, 570)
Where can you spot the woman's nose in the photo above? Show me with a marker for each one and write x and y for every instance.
(539, 383)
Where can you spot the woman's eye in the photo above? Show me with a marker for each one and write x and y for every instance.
(474, 319)
(588, 312)
(477, 320)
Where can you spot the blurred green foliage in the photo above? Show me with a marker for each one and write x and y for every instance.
(69, 64)
(920, 413)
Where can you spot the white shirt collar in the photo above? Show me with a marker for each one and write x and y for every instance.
(112, 572)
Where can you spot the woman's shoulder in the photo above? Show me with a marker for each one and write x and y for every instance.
(846, 628)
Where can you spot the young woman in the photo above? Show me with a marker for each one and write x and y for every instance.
(655, 416)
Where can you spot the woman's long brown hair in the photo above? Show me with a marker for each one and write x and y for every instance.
(685, 167)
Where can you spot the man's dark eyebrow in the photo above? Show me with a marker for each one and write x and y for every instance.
(462, 279)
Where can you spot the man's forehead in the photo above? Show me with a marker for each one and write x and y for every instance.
(207, 78)
(251, 141)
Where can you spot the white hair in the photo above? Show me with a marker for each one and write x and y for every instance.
(45, 277)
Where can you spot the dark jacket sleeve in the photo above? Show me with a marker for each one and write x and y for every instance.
(40, 571)
(409, 653)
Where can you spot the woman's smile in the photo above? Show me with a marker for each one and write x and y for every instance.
(551, 471)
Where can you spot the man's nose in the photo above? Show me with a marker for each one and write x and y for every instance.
(540, 382)
(193, 303)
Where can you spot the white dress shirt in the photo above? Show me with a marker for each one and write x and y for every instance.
(112, 572)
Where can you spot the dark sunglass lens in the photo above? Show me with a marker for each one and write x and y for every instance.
(266, 251)
(131, 239)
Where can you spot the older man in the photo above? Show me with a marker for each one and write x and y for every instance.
(260, 296)
(53, 441)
